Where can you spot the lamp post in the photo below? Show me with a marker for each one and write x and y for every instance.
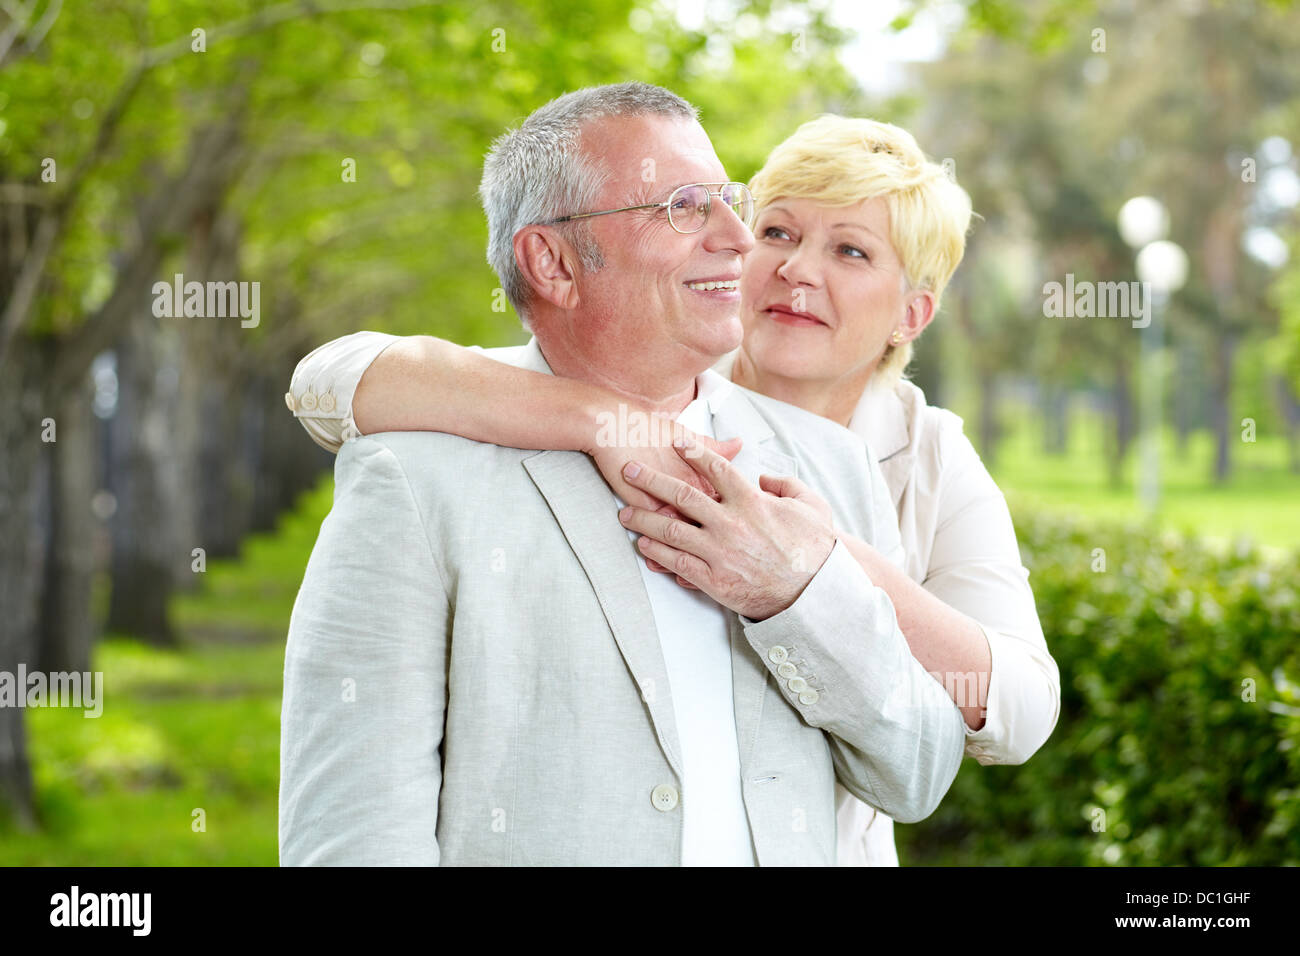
(1162, 268)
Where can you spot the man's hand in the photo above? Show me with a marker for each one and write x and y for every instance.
(751, 550)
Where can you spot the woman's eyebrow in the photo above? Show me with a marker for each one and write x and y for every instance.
(856, 225)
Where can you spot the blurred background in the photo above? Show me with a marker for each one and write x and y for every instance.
(158, 502)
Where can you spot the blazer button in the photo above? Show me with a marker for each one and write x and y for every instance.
(664, 797)
(327, 403)
(308, 402)
(798, 685)
(777, 654)
(288, 400)
(809, 697)
(787, 670)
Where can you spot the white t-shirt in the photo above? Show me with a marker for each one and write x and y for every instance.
(696, 639)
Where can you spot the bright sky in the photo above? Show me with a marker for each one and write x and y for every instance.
(876, 56)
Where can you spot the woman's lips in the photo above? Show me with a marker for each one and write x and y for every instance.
(790, 317)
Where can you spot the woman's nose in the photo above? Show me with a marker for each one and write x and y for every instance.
(798, 270)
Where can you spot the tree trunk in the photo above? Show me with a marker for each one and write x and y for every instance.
(989, 432)
(21, 453)
(1184, 397)
(1123, 415)
(1286, 398)
(152, 536)
(1225, 430)
(1056, 433)
(66, 629)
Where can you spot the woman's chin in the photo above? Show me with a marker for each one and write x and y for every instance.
(785, 357)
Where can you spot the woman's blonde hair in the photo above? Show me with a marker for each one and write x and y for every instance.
(839, 161)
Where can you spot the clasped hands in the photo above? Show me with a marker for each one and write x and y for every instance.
(753, 550)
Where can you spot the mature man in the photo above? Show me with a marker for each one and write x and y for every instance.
(480, 668)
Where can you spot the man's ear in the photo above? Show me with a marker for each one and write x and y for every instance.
(549, 265)
(918, 312)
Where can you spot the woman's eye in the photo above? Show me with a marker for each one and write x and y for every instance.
(854, 251)
(782, 234)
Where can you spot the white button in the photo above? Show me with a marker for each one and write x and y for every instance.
(288, 400)
(327, 403)
(777, 654)
(798, 685)
(787, 670)
(809, 697)
(664, 797)
(308, 402)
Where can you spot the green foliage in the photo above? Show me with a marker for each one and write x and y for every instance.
(1178, 728)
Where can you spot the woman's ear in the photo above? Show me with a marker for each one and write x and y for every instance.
(918, 312)
(547, 262)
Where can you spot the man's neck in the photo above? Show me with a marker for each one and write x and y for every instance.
(659, 384)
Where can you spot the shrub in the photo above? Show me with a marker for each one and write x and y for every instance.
(1178, 741)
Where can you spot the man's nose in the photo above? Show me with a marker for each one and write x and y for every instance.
(726, 230)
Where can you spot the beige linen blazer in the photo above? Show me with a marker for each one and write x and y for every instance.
(473, 676)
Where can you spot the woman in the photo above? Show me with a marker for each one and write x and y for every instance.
(857, 234)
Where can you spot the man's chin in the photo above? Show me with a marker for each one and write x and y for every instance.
(722, 337)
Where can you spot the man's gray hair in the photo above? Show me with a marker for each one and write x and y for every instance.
(539, 172)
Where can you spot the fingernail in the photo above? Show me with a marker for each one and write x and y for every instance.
(625, 514)
(632, 469)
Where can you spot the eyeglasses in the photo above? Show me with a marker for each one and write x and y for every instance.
(688, 206)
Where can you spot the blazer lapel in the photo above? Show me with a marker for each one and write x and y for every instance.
(585, 512)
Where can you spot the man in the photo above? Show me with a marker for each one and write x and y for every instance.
(480, 668)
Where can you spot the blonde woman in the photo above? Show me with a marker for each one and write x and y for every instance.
(857, 235)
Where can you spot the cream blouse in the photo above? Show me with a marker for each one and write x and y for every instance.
(958, 543)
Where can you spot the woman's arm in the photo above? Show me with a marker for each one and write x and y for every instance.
(370, 382)
(973, 620)
(948, 644)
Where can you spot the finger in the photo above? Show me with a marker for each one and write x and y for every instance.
(689, 501)
(783, 486)
(685, 566)
(678, 535)
(726, 479)
(668, 511)
(728, 449)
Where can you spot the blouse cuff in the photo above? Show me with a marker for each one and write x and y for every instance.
(325, 381)
(1019, 712)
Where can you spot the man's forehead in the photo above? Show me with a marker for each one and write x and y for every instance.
(652, 149)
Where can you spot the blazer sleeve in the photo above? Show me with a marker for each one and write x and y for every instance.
(365, 679)
(841, 660)
(325, 381)
(975, 567)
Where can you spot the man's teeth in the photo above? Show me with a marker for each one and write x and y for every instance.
(710, 286)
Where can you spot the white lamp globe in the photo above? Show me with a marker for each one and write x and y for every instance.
(1142, 220)
(1163, 264)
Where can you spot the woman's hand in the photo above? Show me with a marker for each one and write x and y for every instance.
(653, 445)
(751, 550)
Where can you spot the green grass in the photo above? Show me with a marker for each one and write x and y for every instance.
(1260, 501)
(195, 728)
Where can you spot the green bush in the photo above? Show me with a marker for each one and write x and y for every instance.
(1179, 736)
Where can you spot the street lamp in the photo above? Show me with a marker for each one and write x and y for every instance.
(1162, 268)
